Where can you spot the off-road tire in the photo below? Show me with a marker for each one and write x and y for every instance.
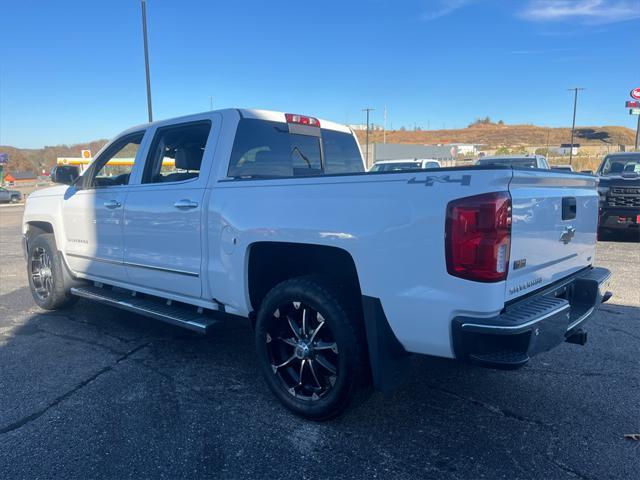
(342, 316)
(58, 295)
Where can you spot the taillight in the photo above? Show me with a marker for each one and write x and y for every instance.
(302, 120)
(478, 237)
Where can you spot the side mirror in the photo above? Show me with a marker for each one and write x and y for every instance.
(65, 174)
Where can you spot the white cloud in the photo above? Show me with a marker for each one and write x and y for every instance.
(590, 12)
(444, 8)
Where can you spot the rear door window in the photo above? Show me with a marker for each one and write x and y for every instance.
(268, 149)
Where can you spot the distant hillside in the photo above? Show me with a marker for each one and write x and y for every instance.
(490, 134)
(37, 159)
(494, 135)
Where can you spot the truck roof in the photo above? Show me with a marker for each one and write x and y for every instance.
(406, 160)
(510, 157)
(268, 115)
(623, 154)
(274, 116)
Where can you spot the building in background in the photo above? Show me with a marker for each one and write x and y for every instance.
(446, 154)
(363, 127)
(466, 149)
(21, 178)
(565, 149)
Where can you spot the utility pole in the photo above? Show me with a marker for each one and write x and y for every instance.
(367, 147)
(146, 57)
(573, 128)
(547, 151)
(384, 127)
(638, 135)
(210, 103)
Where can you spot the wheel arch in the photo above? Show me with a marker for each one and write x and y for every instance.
(270, 263)
(38, 227)
(34, 228)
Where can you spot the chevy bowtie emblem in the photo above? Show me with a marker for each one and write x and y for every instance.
(567, 235)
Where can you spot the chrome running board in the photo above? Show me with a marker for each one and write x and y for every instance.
(180, 315)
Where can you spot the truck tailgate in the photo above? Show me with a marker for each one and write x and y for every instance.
(554, 227)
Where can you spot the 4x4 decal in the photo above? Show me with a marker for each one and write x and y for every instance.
(464, 180)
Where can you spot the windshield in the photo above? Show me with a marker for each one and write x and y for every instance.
(396, 167)
(620, 164)
(509, 162)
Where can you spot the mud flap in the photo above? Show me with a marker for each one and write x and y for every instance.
(388, 358)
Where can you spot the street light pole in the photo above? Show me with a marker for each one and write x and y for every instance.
(638, 135)
(573, 128)
(146, 58)
(367, 147)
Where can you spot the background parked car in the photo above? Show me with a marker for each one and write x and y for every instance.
(564, 168)
(12, 196)
(619, 189)
(518, 161)
(405, 164)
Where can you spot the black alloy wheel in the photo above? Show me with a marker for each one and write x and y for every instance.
(312, 348)
(302, 350)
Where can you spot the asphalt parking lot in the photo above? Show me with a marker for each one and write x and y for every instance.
(94, 392)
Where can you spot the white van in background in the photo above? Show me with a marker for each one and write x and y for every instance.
(405, 164)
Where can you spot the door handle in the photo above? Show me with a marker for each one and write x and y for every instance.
(112, 204)
(185, 204)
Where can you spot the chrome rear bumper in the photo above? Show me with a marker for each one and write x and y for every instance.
(533, 325)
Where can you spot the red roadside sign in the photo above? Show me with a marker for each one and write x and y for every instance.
(635, 93)
(632, 104)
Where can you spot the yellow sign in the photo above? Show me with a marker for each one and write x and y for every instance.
(86, 154)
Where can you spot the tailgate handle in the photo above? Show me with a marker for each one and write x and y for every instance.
(568, 208)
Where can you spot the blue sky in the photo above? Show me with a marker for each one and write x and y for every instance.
(72, 71)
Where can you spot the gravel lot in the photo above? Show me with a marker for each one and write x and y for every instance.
(99, 393)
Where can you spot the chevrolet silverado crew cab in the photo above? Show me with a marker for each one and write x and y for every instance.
(619, 189)
(270, 216)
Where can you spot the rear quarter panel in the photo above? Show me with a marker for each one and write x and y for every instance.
(391, 224)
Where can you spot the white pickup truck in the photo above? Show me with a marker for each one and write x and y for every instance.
(272, 217)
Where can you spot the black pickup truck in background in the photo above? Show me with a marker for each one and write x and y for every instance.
(619, 190)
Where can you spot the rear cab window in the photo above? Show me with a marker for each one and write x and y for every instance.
(271, 149)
